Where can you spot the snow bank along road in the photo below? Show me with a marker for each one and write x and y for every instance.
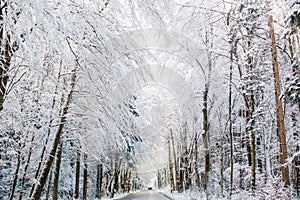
(146, 195)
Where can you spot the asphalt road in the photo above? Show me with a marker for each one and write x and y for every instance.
(146, 195)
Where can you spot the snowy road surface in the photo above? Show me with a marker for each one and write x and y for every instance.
(146, 195)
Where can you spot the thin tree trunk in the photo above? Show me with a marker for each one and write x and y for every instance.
(181, 175)
(222, 168)
(101, 180)
(26, 167)
(170, 166)
(279, 109)
(110, 185)
(230, 122)
(253, 166)
(197, 178)
(205, 137)
(158, 179)
(185, 160)
(77, 174)
(98, 187)
(43, 177)
(85, 177)
(128, 181)
(297, 174)
(5, 53)
(253, 151)
(57, 170)
(175, 163)
(205, 128)
(116, 179)
(221, 154)
(241, 158)
(13, 188)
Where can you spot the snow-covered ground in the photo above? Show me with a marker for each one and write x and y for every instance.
(188, 195)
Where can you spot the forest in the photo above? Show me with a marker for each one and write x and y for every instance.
(104, 97)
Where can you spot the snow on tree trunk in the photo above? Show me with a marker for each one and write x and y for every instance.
(42, 180)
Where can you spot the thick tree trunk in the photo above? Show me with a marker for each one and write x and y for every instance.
(57, 170)
(49, 183)
(279, 109)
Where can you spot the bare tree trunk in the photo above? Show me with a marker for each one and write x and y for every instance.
(222, 167)
(115, 179)
(221, 154)
(253, 166)
(120, 182)
(13, 188)
(181, 180)
(253, 150)
(279, 109)
(5, 53)
(230, 122)
(48, 132)
(197, 178)
(129, 181)
(296, 161)
(187, 178)
(297, 175)
(43, 177)
(158, 179)
(57, 170)
(77, 174)
(205, 136)
(85, 177)
(175, 161)
(99, 180)
(110, 186)
(205, 128)
(49, 183)
(25, 168)
(170, 166)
